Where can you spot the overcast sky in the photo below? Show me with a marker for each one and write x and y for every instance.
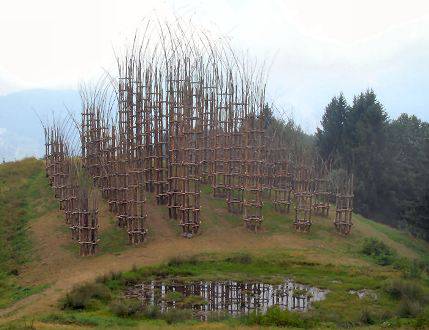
(317, 48)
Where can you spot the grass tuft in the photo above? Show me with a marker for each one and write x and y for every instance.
(379, 251)
(82, 297)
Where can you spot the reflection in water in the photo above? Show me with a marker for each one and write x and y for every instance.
(229, 296)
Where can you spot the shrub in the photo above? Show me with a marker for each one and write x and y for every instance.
(80, 297)
(177, 315)
(173, 296)
(151, 312)
(380, 252)
(275, 316)
(112, 276)
(192, 301)
(409, 308)
(130, 278)
(366, 316)
(125, 307)
(399, 289)
(422, 321)
(413, 269)
(218, 316)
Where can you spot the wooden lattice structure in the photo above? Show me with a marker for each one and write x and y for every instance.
(235, 153)
(253, 135)
(344, 206)
(187, 112)
(72, 189)
(282, 181)
(321, 186)
(303, 195)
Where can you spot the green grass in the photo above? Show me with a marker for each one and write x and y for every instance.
(401, 237)
(24, 196)
(114, 239)
(340, 309)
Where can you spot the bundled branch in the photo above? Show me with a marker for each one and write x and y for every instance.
(184, 110)
(344, 205)
(71, 187)
(304, 197)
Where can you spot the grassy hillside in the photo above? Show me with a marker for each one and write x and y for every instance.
(24, 196)
(39, 264)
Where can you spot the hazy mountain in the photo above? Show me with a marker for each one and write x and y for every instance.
(21, 134)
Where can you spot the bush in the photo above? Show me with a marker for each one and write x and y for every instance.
(125, 307)
(413, 269)
(81, 297)
(192, 301)
(112, 276)
(380, 252)
(218, 316)
(152, 312)
(367, 317)
(275, 316)
(399, 289)
(422, 321)
(177, 315)
(409, 308)
(173, 296)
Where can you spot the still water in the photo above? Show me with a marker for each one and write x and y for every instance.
(235, 298)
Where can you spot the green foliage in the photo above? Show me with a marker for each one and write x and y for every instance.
(409, 308)
(123, 307)
(275, 316)
(411, 295)
(84, 296)
(177, 315)
(389, 159)
(400, 289)
(286, 129)
(367, 316)
(381, 253)
(173, 296)
(411, 268)
(151, 312)
(408, 184)
(404, 298)
(329, 138)
(192, 301)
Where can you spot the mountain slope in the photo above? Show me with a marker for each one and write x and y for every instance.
(21, 134)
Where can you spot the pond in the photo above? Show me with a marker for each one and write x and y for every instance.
(235, 298)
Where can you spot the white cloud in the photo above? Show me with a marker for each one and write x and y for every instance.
(319, 47)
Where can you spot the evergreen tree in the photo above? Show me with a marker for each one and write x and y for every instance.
(329, 139)
(408, 182)
(390, 160)
(364, 149)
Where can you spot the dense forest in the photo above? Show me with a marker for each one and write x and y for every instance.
(389, 159)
